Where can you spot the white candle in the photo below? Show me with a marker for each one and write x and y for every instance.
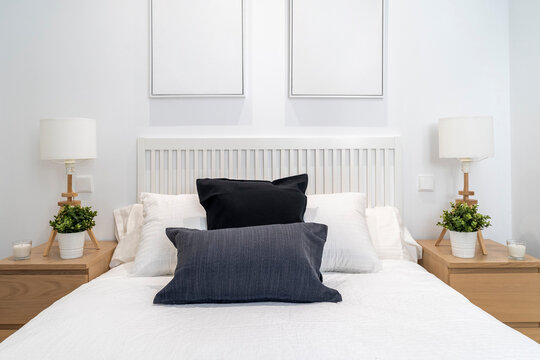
(21, 250)
(516, 250)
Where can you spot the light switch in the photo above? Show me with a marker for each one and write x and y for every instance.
(426, 183)
(85, 184)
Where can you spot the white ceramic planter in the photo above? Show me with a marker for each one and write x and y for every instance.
(463, 244)
(71, 245)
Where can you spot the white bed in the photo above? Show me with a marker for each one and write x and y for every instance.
(402, 312)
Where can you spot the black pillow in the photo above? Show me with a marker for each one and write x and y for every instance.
(259, 263)
(238, 203)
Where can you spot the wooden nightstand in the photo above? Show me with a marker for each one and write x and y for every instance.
(507, 289)
(29, 286)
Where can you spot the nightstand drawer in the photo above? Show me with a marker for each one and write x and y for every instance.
(510, 297)
(23, 296)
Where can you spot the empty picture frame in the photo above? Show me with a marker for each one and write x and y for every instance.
(336, 48)
(197, 48)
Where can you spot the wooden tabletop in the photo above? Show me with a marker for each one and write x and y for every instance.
(497, 256)
(38, 262)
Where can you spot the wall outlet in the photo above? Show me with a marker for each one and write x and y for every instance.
(426, 183)
(85, 184)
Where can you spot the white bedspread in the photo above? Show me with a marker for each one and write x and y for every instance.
(402, 312)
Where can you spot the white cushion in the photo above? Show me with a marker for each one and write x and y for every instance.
(348, 247)
(128, 223)
(389, 237)
(344, 213)
(156, 255)
(413, 248)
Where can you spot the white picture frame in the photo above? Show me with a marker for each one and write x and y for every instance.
(197, 48)
(336, 48)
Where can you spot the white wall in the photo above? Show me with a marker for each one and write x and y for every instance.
(525, 107)
(450, 58)
(90, 58)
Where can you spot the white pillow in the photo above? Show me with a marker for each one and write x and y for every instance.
(389, 237)
(348, 247)
(391, 240)
(156, 254)
(127, 229)
(413, 248)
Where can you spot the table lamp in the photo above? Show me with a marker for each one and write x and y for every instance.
(467, 139)
(68, 140)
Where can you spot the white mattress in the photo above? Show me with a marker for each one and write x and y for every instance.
(402, 312)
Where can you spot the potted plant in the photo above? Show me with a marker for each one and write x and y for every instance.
(71, 223)
(463, 221)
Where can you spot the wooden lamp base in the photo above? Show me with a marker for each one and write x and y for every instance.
(465, 200)
(70, 196)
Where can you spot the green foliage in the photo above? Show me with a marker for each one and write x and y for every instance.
(464, 218)
(72, 219)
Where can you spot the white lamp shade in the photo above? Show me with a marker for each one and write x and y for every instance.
(67, 139)
(466, 137)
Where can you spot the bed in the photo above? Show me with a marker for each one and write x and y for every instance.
(400, 312)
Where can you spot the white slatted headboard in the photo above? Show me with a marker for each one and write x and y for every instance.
(333, 164)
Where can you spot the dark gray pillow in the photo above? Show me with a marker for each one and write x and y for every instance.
(260, 263)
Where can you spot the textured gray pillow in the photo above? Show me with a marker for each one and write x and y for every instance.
(260, 263)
